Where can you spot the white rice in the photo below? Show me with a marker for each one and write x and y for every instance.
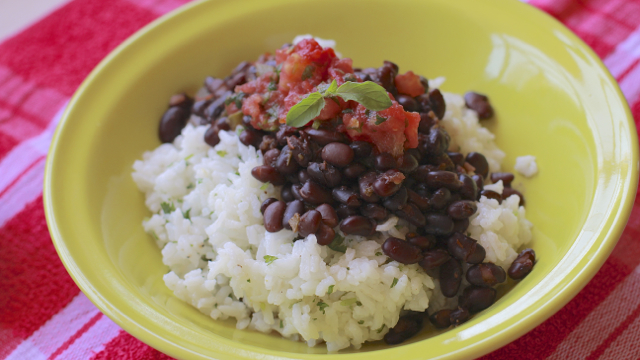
(223, 262)
(526, 165)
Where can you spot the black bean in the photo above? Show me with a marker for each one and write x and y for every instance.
(486, 274)
(477, 298)
(346, 196)
(211, 136)
(422, 171)
(354, 170)
(420, 201)
(397, 200)
(479, 103)
(303, 176)
(266, 203)
(374, 211)
(465, 248)
(324, 174)
(309, 223)
(365, 182)
(270, 157)
(506, 178)
(358, 225)
(284, 131)
(337, 154)
(325, 234)
(246, 121)
(293, 208)
(506, 192)
(266, 173)
(427, 120)
(407, 102)
(273, 215)
(408, 163)
(441, 319)
(213, 84)
(285, 163)
(172, 122)
(462, 209)
(450, 277)
(216, 107)
(436, 101)
(345, 211)
(324, 137)
(440, 198)
(301, 150)
(437, 141)
(490, 194)
(388, 183)
(434, 258)
(182, 100)
(456, 157)
(250, 137)
(459, 316)
(412, 214)
(199, 106)
(295, 190)
(424, 242)
(385, 161)
(268, 143)
(402, 251)
(329, 215)
(469, 188)
(407, 326)
(522, 265)
(361, 149)
(447, 179)
(479, 182)
(460, 225)
(222, 124)
(438, 224)
(387, 75)
(479, 162)
(287, 194)
(314, 193)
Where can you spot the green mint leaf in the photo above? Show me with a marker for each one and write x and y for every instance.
(337, 244)
(269, 259)
(322, 305)
(371, 95)
(167, 208)
(221, 153)
(331, 89)
(306, 110)
(308, 72)
(330, 289)
(394, 283)
(380, 119)
(264, 186)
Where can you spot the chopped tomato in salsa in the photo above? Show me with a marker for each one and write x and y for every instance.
(299, 70)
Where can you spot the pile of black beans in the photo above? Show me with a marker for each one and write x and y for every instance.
(327, 181)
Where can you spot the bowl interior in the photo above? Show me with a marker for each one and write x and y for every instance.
(553, 99)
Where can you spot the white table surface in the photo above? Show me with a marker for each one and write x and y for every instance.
(15, 15)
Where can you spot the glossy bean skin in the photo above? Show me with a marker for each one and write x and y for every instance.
(313, 193)
(361, 149)
(273, 215)
(443, 179)
(477, 298)
(506, 178)
(459, 316)
(303, 176)
(287, 194)
(345, 211)
(409, 163)
(479, 162)
(358, 225)
(424, 242)
(285, 163)
(271, 156)
(293, 208)
(266, 173)
(211, 136)
(434, 258)
(456, 157)
(397, 200)
(441, 319)
(402, 251)
(384, 162)
(450, 277)
(465, 248)
(325, 234)
(436, 101)
(490, 194)
(250, 137)
(460, 225)
(374, 211)
(479, 181)
(407, 102)
(506, 192)
(337, 154)
(324, 137)
(388, 183)
(324, 174)
(438, 224)
(172, 123)
(522, 265)
(412, 214)
(266, 203)
(295, 190)
(309, 223)
(407, 326)
(479, 103)
(469, 188)
(181, 100)
(367, 193)
(440, 198)
(222, 124)
(462, 209)
(354, 170)
(347, 196)
(420, 201)
(328, 214)
(486, 274)
(426, 121)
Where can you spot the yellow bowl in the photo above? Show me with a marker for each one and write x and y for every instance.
(554, 99)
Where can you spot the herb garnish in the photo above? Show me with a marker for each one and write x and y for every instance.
(167, 208)
(394, 283)
(330, 290)
(269, 259)
(337, 244)
(322, 305)
(380, 119)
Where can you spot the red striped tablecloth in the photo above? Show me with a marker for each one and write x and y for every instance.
(43, 315)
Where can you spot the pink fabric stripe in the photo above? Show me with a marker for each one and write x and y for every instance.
(77, 335)
(626, 346)
(624, 55)
(159, 6)
(25, 190)
(93, 341)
